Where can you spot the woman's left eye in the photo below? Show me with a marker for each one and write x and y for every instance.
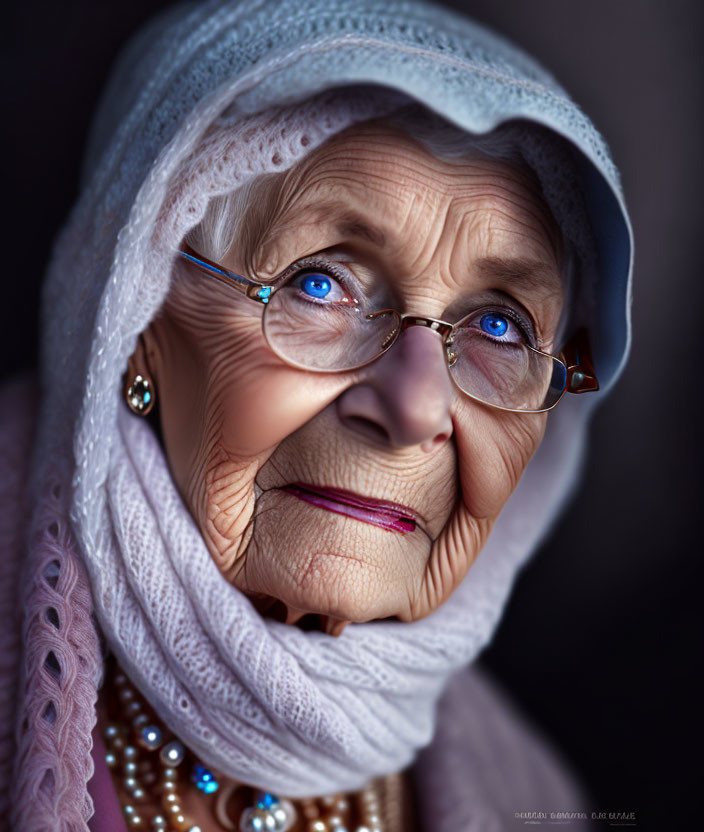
(494, 324)
(501, 328)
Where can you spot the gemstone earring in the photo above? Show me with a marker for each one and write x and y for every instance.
(140, 395)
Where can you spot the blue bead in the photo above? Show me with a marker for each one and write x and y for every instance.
(146, 397)
(266, 801)
(204, 779)
(494, 324)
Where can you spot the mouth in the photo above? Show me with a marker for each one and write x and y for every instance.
(381, 513)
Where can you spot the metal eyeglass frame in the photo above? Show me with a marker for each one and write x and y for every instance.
(575, 357)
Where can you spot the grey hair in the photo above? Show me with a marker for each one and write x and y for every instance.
(227, 217)
(225, 220)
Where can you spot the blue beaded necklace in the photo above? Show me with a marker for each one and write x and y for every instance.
(155, 766)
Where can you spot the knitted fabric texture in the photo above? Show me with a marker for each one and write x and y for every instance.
(303, 705)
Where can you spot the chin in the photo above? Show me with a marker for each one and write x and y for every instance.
(310, 561)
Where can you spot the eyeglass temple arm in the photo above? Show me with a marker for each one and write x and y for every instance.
(250, 288)
(581, 377)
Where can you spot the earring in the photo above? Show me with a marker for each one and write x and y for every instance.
(140, 395)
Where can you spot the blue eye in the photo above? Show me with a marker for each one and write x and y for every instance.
(495, 325)
(324, 289)
(316, 285)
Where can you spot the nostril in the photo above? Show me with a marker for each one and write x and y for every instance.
(368, 428)
(429, 445)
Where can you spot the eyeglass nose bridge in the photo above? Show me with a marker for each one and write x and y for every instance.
(443, 328)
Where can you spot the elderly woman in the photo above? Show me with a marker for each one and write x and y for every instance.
(311, 339)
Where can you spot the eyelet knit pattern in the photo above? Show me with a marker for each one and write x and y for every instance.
(60, 677)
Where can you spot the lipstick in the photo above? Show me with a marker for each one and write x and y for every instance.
(382, 513)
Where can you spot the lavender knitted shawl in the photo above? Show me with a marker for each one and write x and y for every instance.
(207, 97)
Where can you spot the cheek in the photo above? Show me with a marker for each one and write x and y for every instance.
(241, 399)
(227, 403)
(264, 401)
(493, 450)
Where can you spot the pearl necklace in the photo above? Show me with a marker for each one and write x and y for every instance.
(153, 766)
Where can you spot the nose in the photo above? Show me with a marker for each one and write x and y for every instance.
(404, 397)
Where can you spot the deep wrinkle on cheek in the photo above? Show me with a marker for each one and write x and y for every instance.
(491, 455)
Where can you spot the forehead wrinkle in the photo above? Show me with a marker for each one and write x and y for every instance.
(370, 157)
(377, 154)
(509, 236)
(376, 165)
(516, 205)
(379, 171)
(489, 228)
(425, 238)
(395, 194)
(341, 204)
(376, 150)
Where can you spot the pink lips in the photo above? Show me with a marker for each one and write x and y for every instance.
(381, 513)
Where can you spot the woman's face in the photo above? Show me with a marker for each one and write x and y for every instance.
(437, 239)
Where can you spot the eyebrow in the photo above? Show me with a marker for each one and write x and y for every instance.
(351, 224)
(536, 275)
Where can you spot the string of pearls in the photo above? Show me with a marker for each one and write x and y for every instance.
(332, 814)
(137, 749)
(152, 768)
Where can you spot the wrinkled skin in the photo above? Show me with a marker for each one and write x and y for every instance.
(238, 423)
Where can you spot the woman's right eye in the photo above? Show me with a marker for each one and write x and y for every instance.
(321, 288)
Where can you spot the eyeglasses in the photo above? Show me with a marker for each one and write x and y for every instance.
(313, 321)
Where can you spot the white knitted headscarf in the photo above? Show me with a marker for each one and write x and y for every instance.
(298, 713)
(293, 712)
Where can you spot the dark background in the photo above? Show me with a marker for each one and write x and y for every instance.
(600, 642)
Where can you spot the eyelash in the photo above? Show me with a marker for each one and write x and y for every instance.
(322, 264)
(335, 269)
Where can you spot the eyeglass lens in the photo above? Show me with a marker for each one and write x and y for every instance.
(323, 335)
